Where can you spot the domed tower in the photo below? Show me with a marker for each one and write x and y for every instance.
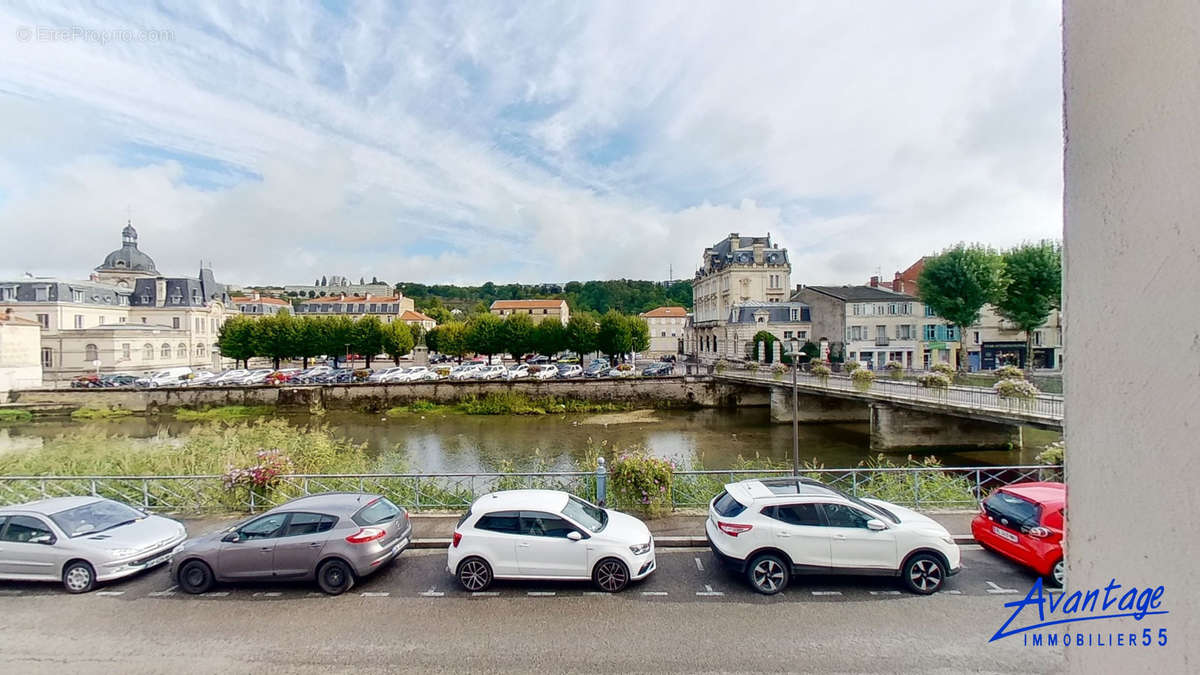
(124, 265)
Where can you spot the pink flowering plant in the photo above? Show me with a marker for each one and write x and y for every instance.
(641, 483)
(260, 478)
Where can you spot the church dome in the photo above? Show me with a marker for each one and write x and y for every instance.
(128, 257)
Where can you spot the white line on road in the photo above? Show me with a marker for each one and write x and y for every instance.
(272, 594)
(541, 594)
(597, 593)
(10, 592)
(969, 547)
(699, 565)
(433, 592)
(708, 591)
(998, 591)
(654, 593)
(485, 594)
(826, 592)
(217, 594)
(885, 592)
(954, 592)
(375, 594)
(163, 594)
(110, 593)
(316, 594)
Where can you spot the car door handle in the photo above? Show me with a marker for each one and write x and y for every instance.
(522, 545)
(266, 549)
(783, 534)
(839, 536)
(315, 544)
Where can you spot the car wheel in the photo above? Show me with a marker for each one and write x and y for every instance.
(474, 574)
(1058, 574)
(79, 577)
(924, 574)
(335, 577)
(611, 575)
(195, 577)
(768, 574)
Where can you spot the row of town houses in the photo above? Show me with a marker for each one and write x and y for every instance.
(127, 317)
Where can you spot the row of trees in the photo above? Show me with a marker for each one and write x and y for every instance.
(284, 336)
(612, 333)
(1023, 283)
(626, 296)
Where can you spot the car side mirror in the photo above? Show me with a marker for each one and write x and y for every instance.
(574, 536)
(42, 539)
(876, 524)
(231, 538)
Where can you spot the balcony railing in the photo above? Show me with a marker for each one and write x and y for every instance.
(881, 341)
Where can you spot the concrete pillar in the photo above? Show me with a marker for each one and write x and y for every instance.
(896, 428)
(815, 408)
(777, 352)
(762, 351)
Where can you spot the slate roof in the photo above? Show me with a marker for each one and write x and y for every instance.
(778, 312)
(736, 249)
(861, 293)
(128, 257)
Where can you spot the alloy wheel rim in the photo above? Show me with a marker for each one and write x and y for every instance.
(1060, 572)
(926, 575)
(768, 575)
(611, 576)
(78, 578)
(474, 575)
(195, 576)
(334, 576)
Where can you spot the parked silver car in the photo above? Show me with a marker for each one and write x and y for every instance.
(335, 538)
(82, 541)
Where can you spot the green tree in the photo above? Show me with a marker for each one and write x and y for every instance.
(1034, 289)
(639, 334)
(310, 338)
(451, 339)
(581, 333)
(767, 338)
(276, 337)
(366, 337)
(431, 340)
(336, 336)
(397, 340)
(236, 339)
(549, 337)
(518, 335)
(614, 336)
(485, 335)
(957, 284)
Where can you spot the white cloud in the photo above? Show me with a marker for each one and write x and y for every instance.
(538, 142)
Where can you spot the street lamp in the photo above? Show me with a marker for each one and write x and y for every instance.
(347, 354)
(793, 353)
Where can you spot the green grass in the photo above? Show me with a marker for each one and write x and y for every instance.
(223, 413)
(105, 413)
(510, 403)
(14, 416)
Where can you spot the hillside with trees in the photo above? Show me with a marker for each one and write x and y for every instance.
(626, 296)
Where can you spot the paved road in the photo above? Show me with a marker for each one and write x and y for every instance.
(690, 616)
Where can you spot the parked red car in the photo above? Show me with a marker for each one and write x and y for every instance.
(1024, 523)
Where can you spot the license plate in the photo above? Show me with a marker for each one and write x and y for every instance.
(1004, 534)
(159, 560)
(399, 545)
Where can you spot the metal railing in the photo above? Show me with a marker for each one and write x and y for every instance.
(1047, 407)
(924, 487)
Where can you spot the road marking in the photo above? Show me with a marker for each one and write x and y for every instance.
(272, 594)
(708, 591)
(699, 565)
(969, 547)
(597, 593)
(885, 592)
(654, 593)
(540, 594)
(433, 592)
(164, 594)
(110, 593)
(11, 592)
(997, 590)
(374, 594)
(826, 592)
(954, 592)
(218, 594)
(485, 594)
(316, 594)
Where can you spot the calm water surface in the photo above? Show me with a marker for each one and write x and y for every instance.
(468, 443)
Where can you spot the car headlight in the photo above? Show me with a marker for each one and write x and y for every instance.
(640, 549)
(121, 552)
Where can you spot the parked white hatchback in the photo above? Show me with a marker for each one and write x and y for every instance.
(547, 534)
(772, 529)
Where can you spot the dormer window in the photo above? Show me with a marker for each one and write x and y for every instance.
(195, 297)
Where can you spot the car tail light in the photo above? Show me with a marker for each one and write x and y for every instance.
(366, 534)
(1039, 532)
(457, 538)
(733, 529)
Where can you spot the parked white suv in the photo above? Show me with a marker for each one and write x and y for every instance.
(547, 534)
(772, 529)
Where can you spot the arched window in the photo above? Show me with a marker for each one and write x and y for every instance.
(199, 349)
(181, 351)
(90, 353)
(166, 351)
(148, 352)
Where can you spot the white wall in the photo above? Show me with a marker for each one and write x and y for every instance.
(1132, 311)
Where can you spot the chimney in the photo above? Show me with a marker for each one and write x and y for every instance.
(758, 253)
(160, 292)
(736, 239)
(875, 282)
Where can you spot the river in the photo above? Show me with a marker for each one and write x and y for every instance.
(471, 443)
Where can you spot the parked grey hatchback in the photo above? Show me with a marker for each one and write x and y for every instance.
(334, 538)
(82, 541)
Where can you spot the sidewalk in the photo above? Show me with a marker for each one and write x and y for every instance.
(686, 529)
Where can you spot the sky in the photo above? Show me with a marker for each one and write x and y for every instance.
(523, 142)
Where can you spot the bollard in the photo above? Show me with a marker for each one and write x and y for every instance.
(601, 482)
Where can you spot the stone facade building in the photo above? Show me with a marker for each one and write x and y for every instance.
(538, 310)
(257, 304)
(388, 308)
(126, 318)
(20, 353)
(735, 271)
(667, 326)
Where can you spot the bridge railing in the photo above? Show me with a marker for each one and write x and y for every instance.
(922, 487)
(1049, 406)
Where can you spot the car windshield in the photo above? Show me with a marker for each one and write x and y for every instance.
(590, 516)
(95, 517)
(1004, 505)
(379, 511)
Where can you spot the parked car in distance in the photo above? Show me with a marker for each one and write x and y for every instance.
(658, 369)
(623, 370)
(200, 378)
(333, 538)
(117, 380)
(537, 359)
(464, 371)
(548, 534)
(171, 377)
(543, 372)
(772, 529)
(493, 372)
(231, 376)
(517, 372)
(1026, 523)
(597, 370)
(383, 375)
(258, 376)
(309, 375)
(82, 541)
(566, 370)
